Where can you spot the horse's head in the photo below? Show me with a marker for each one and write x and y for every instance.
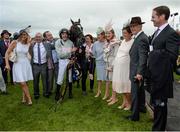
(76, 33)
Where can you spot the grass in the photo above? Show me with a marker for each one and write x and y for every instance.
(176, 77)
(82, 113)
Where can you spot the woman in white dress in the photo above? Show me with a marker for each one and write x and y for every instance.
(22, 71)
(121, 82)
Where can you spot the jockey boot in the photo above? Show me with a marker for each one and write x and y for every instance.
(57, 96)
(70, 91)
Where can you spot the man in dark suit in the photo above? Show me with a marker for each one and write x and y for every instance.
(52, 71)
(161, 63)
(41, 54)
(4, 44)
(138, 60)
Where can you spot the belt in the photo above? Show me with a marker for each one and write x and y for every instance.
(39, 64)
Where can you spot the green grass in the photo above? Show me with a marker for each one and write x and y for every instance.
(84, 113)
(177, 77)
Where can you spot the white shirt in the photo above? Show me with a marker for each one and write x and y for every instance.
(161, 28)
(42, 51)
(135, 36)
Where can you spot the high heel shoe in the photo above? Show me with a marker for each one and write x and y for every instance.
(109, 100)
(121, 106)
(23, 101)
(29, 103)
(97, 95)
(105, 97)
(113, 102)
(127, 108)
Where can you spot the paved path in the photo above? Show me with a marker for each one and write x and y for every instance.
(173, 121)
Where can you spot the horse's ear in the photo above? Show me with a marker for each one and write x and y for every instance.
(72, 21)
(79, 20)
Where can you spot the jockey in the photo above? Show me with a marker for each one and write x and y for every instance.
(64, 48)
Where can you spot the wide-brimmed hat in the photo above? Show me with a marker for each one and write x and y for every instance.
(5, 31)
(136, 21)
(99, 30)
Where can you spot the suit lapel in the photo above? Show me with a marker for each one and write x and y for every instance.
(134, 43)
(161, 34)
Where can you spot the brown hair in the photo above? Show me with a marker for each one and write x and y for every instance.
(44, 34)
(90, 36)
(20, 36)
(103, 33)
(163, 10)
(127, 29)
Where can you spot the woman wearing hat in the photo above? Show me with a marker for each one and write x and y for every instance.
(110, 50)
(97, 51)
(22, 71)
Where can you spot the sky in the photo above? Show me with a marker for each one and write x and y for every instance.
(53, 15)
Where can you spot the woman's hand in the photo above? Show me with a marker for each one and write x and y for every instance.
(7, 67)
(109, 69)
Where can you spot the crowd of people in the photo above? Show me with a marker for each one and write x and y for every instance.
(126, 64)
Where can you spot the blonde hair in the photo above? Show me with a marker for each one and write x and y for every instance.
(20, 38)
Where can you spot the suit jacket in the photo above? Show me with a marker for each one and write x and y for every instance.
(161, 62)
(3, 48)
(48, 49)
(1, 59)
(138, 55)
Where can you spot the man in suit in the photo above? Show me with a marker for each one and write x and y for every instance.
(161, 63)
(4, 44)
(52, 71)
(41, 54)
(138, 60)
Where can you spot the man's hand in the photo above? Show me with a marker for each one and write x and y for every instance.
(139, 77)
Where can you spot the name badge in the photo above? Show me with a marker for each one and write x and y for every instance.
(150, 48)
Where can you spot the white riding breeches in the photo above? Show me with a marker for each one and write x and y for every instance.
(62, 70)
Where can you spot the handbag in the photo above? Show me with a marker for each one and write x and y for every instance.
(13, 56)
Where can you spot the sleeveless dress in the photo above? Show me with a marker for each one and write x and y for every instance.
(121, 82)
(22, 70)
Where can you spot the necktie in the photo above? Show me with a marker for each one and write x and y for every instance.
(7, 43)
(155, 35)
(39, 54)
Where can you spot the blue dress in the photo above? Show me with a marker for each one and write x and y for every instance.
(98, 51)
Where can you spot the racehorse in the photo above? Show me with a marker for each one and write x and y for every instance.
(76, 33)
(77, 37)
